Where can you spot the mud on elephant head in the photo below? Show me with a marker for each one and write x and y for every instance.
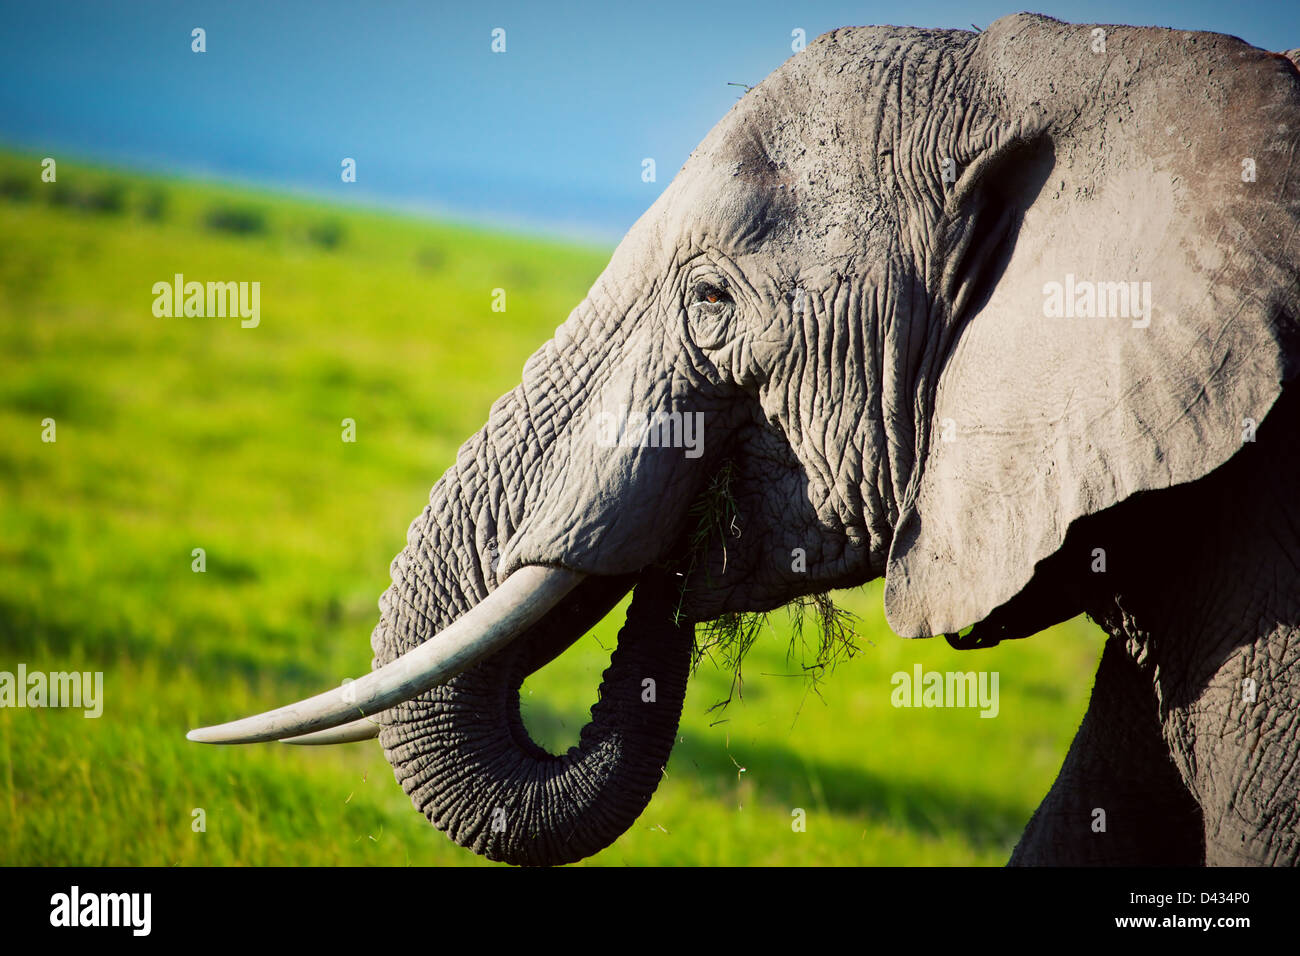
(927, 299)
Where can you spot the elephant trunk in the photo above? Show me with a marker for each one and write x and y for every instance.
(463, 755)
(461, 750)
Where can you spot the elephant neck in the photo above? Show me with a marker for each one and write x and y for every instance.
(1199, 572)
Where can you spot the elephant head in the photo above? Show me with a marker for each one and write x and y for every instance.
(844, 308)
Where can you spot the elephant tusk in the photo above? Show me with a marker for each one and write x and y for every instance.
(520, 601)
(367, 728)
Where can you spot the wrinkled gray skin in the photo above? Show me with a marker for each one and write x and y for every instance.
(878, 371)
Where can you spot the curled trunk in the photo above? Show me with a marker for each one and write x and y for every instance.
(463, 755)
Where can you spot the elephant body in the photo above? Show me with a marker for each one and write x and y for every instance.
(964, 311)
(1189, 743)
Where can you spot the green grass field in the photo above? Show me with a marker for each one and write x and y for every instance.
(183, 433)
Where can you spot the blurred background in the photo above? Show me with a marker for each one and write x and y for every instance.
(474, 170)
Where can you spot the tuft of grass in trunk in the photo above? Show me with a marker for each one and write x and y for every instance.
(729, 637)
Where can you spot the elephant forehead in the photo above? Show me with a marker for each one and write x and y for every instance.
(796, 159)
(756, 182)
(793, 166)
(719, 203)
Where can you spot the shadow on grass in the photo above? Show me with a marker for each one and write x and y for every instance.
(782, 777)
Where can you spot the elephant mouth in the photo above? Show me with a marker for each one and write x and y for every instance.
(542, 608)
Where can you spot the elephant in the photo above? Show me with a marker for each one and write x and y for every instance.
(1007, 318)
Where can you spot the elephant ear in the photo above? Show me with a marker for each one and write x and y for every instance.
(1042, 416)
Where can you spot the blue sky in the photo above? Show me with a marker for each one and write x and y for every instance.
(548, 136)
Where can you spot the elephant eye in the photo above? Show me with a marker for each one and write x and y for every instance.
(711, 294)
(708, 309)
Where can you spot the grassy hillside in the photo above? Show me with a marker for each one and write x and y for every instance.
(183, 433)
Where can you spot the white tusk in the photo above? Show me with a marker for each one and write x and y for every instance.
(520, 601)
(364, 729)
